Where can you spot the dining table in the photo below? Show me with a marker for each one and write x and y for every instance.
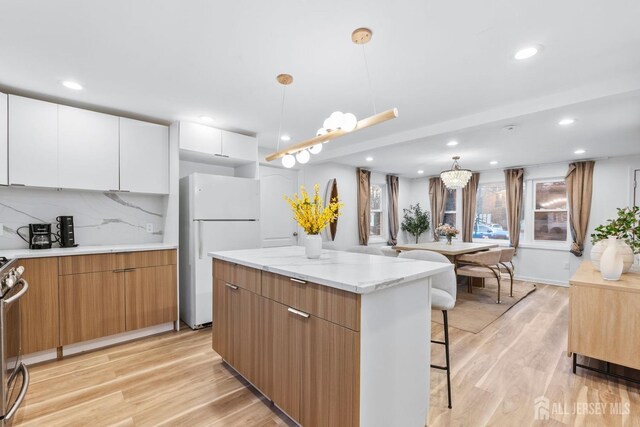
(451, 251)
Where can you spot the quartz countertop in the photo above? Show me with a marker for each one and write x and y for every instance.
(352, 272)
(84, 250)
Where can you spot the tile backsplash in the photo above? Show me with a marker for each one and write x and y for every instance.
(99, 218)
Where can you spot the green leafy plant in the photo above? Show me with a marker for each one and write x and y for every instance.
(416, 221)
(625, 227)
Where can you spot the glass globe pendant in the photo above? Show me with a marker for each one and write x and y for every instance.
(288, 161)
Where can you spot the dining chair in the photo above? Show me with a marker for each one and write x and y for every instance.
(371, 250)
(389, 251)
(483, 265)
(443, 297)
(506, 264)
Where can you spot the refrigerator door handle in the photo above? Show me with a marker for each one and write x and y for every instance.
(199, 239)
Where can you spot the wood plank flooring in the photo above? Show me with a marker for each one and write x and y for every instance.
(175, 379)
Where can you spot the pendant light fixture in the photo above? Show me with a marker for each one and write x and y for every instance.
(338, 123)
(455, 177)
(288, 161)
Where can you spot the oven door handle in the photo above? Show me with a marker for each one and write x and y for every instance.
(23, 393)
(25, 286)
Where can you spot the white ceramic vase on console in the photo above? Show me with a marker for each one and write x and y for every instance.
(623, 249)
(313, 246)
(611, 264)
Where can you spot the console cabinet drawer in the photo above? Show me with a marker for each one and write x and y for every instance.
(238, 275)
(148, 258)
(334, 305)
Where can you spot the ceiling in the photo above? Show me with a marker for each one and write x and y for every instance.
(446, 65)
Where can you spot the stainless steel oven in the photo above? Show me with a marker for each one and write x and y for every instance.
(14, 375)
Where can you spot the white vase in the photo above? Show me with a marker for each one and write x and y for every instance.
(313, 246)
(623, 249)
(611, 262)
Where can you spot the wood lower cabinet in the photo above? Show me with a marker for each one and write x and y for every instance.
(39, 309)
(307, 365)
(91, 306)
(150, 296)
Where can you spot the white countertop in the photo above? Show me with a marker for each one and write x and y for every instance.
(83, 250)
(352, 272)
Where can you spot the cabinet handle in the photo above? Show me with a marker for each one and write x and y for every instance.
(124, 270)
(221, 155)
(298, 281)
(298, 312)
(234, 287)
(15, 184)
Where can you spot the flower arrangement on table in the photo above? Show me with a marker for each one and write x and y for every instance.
(449, 231)
(313, 216)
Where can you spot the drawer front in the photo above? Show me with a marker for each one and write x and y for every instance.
(80, 264)
(334, 305)
(148, 258)
(238, 275)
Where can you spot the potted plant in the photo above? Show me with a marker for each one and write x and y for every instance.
(416, 221)
(626, 228)
(449, 231)
(313, 216)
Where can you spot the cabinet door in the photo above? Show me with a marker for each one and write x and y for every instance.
(33, 142)
(225, 307)
(144, 157)
(39, 313)
(87, 150)
(282, 356)
(247, 336)
(199, 138)
(238, 146)
(150, 296)
(330, 374)
(4, 142)
(91, 306)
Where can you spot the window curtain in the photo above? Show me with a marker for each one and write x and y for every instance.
(437, 194)
(393, 184)
(579, 188)
(364, 204)
(469, 196)
(514, 180)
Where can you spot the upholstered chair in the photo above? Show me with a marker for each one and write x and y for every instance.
(483, 265)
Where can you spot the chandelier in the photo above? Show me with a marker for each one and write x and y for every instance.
(455, 177)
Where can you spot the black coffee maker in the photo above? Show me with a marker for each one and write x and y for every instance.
(39, 236)
(66, 235)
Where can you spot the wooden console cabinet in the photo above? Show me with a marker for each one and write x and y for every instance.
(297, 342)
(84, 297)
(604, 317)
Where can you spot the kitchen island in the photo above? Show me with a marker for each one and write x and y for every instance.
(341, 340)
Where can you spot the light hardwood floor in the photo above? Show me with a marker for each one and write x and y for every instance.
(176, 379)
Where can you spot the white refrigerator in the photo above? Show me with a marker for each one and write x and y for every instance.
(216, 213)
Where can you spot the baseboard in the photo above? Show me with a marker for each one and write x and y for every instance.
(39, 357)
(543, 281)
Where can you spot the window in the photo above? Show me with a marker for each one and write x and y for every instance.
(375, 224)
(450, 208)
(491, 212)
(550, 211)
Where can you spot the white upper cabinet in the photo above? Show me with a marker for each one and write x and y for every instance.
(144, 157)
(199, 138)
(33, 142)
(4, 142)
(88, 155)
(239, 146)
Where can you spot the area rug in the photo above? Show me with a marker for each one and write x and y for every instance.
(474, 312)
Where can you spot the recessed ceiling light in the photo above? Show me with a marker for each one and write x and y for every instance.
(527, 52)
(369, 159)
(452, 143)
(420, 171)
(285, 138)
(580, 151)
(493, 162)
(566, 122)
(72, 85)
(207, 119)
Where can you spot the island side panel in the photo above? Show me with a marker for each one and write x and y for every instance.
(395, 335)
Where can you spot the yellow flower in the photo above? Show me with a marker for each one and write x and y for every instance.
(311, 213)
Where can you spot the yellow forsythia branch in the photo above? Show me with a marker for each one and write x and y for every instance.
(311, 213)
